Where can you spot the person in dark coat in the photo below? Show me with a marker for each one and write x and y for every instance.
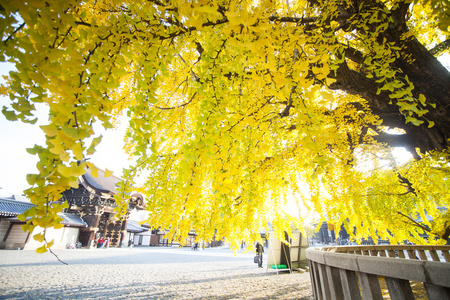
(259, 252)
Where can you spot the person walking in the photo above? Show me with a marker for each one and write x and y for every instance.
(259, 252)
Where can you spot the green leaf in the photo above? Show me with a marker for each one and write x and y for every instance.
(32, 178)
(94, 143)
(71, 132)
(9, 115)
(414, 121)
(32, 151)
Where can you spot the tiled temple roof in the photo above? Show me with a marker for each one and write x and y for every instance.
(106, 187)
(72, 220)
(10, 207)
(135, 227)
(101, 184)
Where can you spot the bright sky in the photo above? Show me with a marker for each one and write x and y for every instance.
(15, 137)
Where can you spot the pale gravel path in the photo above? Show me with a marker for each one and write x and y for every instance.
(144, 273)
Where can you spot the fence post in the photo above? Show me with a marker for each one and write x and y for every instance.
(335, 283)
(435, 292)
(350, 286)
(370, 286)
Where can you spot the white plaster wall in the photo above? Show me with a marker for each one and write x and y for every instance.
(62, 237)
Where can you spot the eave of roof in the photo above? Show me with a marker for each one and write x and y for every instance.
(72, 220)
(134, 227)
(9, 207)
(100, 184)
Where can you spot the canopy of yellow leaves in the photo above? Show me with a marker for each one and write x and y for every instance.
(230, 111)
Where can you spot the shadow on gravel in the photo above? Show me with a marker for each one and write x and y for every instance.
(179, 290)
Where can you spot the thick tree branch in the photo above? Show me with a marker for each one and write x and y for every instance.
(399, 15)
(443, 236)
(440, 48)
(293, 19)
(398, 140)
(191, 29)
(415, 223)
(354, 55)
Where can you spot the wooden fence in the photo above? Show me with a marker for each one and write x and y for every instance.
(355, 272)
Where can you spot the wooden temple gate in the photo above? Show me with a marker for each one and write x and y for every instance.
(94, 201)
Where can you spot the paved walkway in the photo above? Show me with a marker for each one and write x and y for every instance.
(144, 273)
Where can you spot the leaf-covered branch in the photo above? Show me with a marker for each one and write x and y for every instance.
(235, 108)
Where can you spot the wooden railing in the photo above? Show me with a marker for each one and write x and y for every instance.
(349, 272)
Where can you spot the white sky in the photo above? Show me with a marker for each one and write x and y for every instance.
(15, 137)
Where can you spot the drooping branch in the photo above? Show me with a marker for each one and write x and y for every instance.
(414, 222)
(191, 29)
(445, 235)
(178, 106)
(11, 36)
(406, 183)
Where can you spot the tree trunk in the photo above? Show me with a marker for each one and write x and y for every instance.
(429, 78)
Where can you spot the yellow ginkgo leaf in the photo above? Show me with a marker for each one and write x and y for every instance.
(108, 173)
(41, 249)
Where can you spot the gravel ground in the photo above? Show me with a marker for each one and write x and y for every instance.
(144, 273)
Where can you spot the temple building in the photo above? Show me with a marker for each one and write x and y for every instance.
(89, 217)
(93, 200)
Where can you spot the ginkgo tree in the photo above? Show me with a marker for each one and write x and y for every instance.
(238, 107)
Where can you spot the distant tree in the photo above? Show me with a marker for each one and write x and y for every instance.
(234, 105)
(310, 230)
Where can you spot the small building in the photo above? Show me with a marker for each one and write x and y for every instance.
(13, 237)
(152, 237)
(133, 229)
